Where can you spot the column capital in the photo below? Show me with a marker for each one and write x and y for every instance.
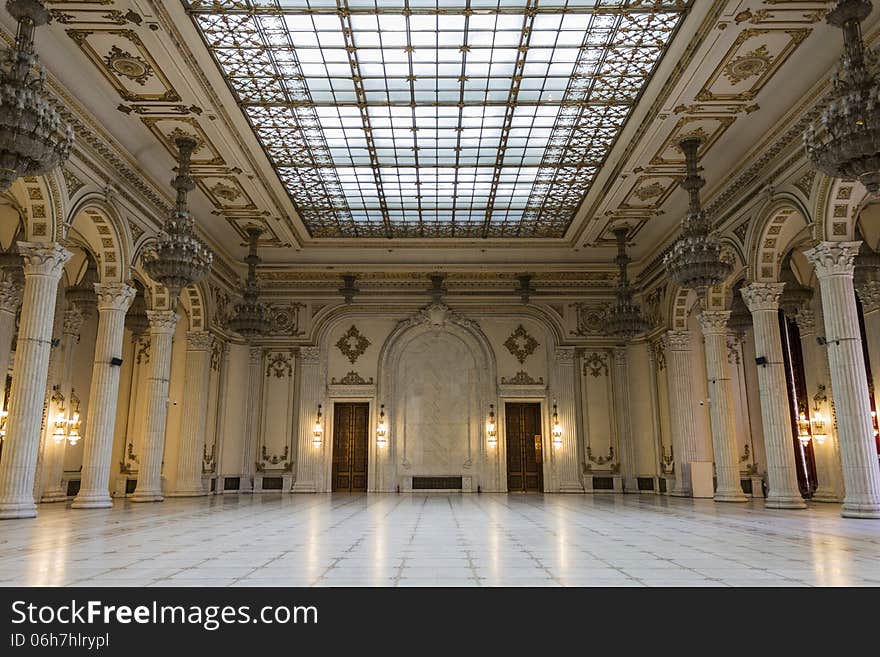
(10, 296)
(255, 355)
(833, 258)
(310, 355)
(619, 354)
(73, 320)
(806, 321)
(869, 295)
(714, 322)
(565, 355)
(162, 321)
(199, 341)
(676, 341)
(43, 258)
(762, 296)
(114, 296)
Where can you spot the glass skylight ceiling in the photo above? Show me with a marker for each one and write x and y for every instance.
(437, 118)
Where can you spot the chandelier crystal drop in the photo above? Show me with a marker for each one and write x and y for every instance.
(624, 320)
(33, 138)
(180, 258)
(695, 259)
(251, 317)
(844, 141)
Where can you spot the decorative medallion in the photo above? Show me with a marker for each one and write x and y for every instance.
(124, 64)
(590, 319)
(352, 379)
(596, 365)
(225, 192)
(279, 364)
(521, 344)
(648, 192)
(352, 344)
(522, 378)
(748, 65)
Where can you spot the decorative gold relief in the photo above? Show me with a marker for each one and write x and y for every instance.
(522, 378)
(168, 128)
(225, 192)
(707, 128)
(279, 364)
(352, 379)
(596, 364)
(649, 192)
(352, 344)
(521, 344)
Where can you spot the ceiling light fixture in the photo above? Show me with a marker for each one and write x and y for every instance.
(251, 318)
(624, 320)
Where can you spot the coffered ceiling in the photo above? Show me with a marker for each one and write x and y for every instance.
(507, 134)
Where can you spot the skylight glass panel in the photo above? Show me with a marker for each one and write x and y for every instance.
(437, 118)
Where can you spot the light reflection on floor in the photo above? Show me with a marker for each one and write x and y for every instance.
(439, 540)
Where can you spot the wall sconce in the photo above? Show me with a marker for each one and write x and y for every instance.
(818, 428)
(74, 424)
(874, 423)
(556, 430)
(3, 416)
(318, 430)
(491, 427)
(803, 428)
(381, 428)
(66, 427)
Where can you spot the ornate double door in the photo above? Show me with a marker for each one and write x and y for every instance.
(350, 428)
(525, 469)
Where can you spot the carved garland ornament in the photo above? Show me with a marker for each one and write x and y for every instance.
(352, 379)
(521, 344)
(353, 344)
(522, 378)
(280, 365)
(596, 365)
(126, 65)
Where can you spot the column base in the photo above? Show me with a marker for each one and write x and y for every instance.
(53, 496)
(25, 509)
(680, 492)
(826, 496)
(188, 493)
(571, 488)
(303, 487)
(730, 496)
(866, 511)
(783, 502)
(92, 501)
(146, 496)
(630, 485)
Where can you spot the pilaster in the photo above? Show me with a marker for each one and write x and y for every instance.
(311, 393)
(565, 456)
(623, 421)
(677, 345)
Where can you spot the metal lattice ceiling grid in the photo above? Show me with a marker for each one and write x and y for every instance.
(437, 118)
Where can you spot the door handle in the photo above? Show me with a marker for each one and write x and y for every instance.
(539, 452)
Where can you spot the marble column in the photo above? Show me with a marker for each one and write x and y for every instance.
(724, 447)
(149, 483)
(195, 414)
(10, 300)
(869, 295)
(221, 419)
(858, 452)
(53, 466)
(252, 419)
(762, 300)
(677, 345)
(565, 457)
(816, 373)
(622, 410)
(311, 393)
(43, 264)
(113, 301)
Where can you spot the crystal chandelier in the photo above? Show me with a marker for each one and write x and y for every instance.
(844, 141)
(251, 317)
(33, 138)
(180, 258)
(695, 259)
(82, 295)
(624, 320)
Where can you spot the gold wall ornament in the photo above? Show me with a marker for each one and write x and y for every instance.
(352, 344)
(522, 378)
(279, 365)
(521, 344)
(352, 379)
(596, 364)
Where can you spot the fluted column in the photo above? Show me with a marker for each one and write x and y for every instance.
(677, 345)
(53, 459)
(869, 295)
(10, 300)
(221, 419)
(858, 453)
(149, 483)
(727, 487)
(195, 414)
(252, 418)
(43, 264)
(762, 300)
(816, 373)
(311, 393)
(565, 457)
(622, 410)
(113, 301)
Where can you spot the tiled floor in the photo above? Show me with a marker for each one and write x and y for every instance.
(472, 540)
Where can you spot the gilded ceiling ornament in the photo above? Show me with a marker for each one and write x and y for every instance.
(280, 364)
(646, 193)
(352, 344)
(124, 64)
(748, 65)
(590, 319)
(226, 192)
(596, 365)
(521, 344)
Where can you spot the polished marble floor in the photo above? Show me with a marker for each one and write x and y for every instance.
(439, 540)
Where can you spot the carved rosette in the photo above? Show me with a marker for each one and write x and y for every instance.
(199, 341)
(43, 259)
(676, 341)
(114, 296)
(762, 296)
(833, 258)
(869, 295)
(162, 321)
(714, 322)
(10, 296)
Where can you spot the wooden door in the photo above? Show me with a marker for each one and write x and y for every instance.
(525, 469)
(350, 422)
